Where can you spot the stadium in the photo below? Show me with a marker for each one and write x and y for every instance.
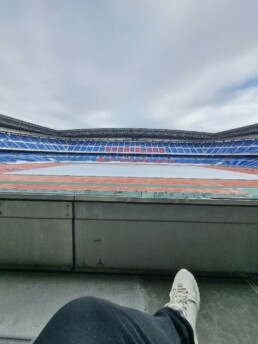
(120, 210)
(172, 154)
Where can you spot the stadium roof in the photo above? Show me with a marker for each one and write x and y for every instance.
(9, 123)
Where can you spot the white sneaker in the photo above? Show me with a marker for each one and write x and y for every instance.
(185, 297)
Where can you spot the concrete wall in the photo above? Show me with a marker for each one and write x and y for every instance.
(128, 235)
(36, 234)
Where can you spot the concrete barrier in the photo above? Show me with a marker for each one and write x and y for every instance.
(128, 235)
(36, 234)
(205, 237)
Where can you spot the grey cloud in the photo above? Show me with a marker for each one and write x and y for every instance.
(127, 63)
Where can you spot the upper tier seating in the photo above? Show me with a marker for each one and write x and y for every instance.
(11, 141)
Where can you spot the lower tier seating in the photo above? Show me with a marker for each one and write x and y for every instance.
(19, 157)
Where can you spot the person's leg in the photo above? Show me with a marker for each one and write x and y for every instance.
(90, 320)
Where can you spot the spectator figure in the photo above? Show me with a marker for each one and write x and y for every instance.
(90, 320)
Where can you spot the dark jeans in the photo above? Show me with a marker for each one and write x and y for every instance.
(90, 320)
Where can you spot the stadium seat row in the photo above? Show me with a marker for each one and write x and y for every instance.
(14, 157)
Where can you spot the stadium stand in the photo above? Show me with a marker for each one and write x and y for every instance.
(36, 143)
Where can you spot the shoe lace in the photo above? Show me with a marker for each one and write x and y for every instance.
(180, 296)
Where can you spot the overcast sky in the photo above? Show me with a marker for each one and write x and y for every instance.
(178, 64)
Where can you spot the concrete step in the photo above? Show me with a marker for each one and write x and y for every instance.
(14, 340)
(229, 306)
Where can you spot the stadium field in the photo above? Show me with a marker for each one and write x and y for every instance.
(130, 180)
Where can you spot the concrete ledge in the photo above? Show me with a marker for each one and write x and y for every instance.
(36, 235)
(207, 213)
(35, 209)
(119, 199)
(166, 246)
(36, 243)
(119, 235)
(165, 237)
